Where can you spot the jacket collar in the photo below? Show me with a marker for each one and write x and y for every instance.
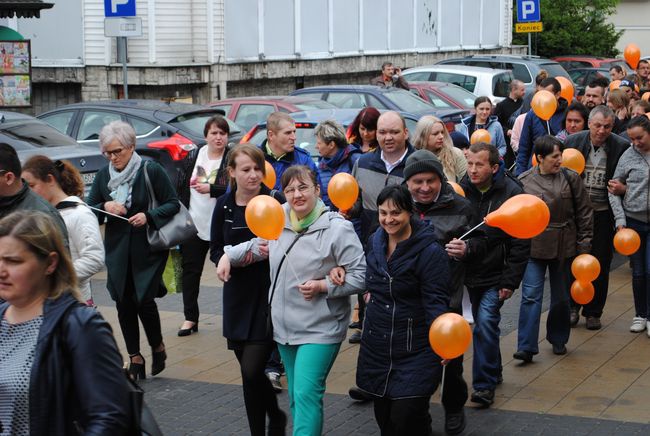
(53, 311)
(10, 201)
(323, 221)
(287, 157)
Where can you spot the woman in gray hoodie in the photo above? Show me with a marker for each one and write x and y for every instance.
(309, 311)
(633, 210)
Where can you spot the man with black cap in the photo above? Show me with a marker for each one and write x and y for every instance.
(451, 216)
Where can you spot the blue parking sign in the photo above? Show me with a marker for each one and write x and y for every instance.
(528, 11)
(119, 8)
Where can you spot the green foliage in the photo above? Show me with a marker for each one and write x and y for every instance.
(573, 27)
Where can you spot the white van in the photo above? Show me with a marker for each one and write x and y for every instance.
(480, 81)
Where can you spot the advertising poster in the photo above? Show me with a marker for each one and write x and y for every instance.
(15, 74)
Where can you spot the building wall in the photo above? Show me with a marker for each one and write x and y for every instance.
(632, 17)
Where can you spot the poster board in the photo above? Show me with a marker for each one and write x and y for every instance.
(15, 74)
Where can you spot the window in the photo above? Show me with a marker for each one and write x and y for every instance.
(249, 115)
(92, 122)
(60, 121)
(24, 133)
(142, 127)
(374, 102)
(460, 95)
(418, 76)
(405, 101)
(501, 84)
(435, 100)
(346, 100)
(520, 71)
(223, 107)
(462, 80)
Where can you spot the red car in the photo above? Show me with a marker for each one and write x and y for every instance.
(250, 111)
(570, 62)
(444, 95)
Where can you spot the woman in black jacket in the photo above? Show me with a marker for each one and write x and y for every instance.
(61, 370)
(206, 179)
(407, 278)
(243, 266)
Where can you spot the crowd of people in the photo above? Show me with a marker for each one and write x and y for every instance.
(409, 248)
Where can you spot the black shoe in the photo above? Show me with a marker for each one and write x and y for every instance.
(525, 356)
(593, 323)
(483, 397)
(455, 422)
(559, 349)
(574, 317)
(500, 379)
(358, 395)
(355, 325)
(189, 331)
(355, 338)
(136, 370)
(278, 424)
(158, 361)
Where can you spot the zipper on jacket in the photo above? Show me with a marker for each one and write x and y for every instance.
(392, 330)
(409, 335)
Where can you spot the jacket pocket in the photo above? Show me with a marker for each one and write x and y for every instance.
(409, 335)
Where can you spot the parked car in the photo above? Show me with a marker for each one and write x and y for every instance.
(307, 121)
(165, 131)
(30, 136)
(248, 111)
(444, 95)
(523, 68)
(582, 76)
(360, 96)
(479, 81)
(571, 62)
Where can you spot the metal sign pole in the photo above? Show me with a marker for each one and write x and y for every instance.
(121, 50)
(530, 46)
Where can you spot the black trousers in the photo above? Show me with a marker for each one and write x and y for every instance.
(193, 252)
(454, 395)
(259, 397)
(409, 416)
(128, 312)
(602, 248)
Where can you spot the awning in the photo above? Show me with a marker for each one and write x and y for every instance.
(22, 8)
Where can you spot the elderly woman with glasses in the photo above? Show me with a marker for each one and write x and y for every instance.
(134, 269)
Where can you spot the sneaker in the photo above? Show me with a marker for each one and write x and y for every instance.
(524, 356)
(455, 422)
(574, 317)
(484, 397)
(559, 349)
(274, 378)
(358, 395)
(593, 323)
(638, 324)
(355, 338)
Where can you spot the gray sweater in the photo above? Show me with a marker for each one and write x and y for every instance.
(633, 169)
(330, 241)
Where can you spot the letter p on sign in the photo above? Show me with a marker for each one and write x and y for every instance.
(527, 11)
(116, 3)
(119, 8)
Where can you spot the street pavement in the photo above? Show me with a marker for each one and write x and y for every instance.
(601, 387)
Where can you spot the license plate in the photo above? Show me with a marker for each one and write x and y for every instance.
(88, 178)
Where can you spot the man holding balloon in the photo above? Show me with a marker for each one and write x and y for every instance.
(493, 279)
(601, 149)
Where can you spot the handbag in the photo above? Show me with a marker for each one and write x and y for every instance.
(178, 229)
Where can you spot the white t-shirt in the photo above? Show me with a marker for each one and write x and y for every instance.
(201, 205)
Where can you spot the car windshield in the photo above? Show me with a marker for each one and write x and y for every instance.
(316, 104)
(37, 134)
(555, 70)
(408, 102)
(460, 95)
(195, 122)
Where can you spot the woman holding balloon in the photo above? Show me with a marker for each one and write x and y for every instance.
(310, 311)
(242, 264)
(483, 119)
(568, 233)
(633, 211)
(408, 284)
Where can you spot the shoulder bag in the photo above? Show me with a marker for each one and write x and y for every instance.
(178, 229)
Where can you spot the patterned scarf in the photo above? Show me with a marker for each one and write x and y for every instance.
(121, 182)
(300, 225)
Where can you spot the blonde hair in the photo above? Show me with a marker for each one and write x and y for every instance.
(446, 153)
(42, 236)
(249, 150)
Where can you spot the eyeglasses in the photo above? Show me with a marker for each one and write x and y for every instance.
(301, 188)
(112, 153)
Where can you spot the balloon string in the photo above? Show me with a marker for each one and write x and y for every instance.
(548, 127)
(442, 383)
(291, 266)
(472, 229)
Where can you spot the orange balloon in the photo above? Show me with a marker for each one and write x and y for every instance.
(534, 161)
(459, 190)
(450, 335)
(522, 216)
(480, 135)
(265, 217)
(343, 191)
(585, 268)
(632, 55)
(614, 85)
(645, 96)
(544, 104)
(627, 241)
(567, 88)
(572, 158)
(582, 292)
(270, 177)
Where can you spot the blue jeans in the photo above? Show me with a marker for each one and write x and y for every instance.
(558, 324)
(486, 365)
(641, 269)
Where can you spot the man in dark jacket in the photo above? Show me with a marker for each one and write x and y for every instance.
(280, 146)
(491, 280)
(534, 126)
(15, 193)
(390, 77)
(436, 203)
(504, 110)
(602, 150)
